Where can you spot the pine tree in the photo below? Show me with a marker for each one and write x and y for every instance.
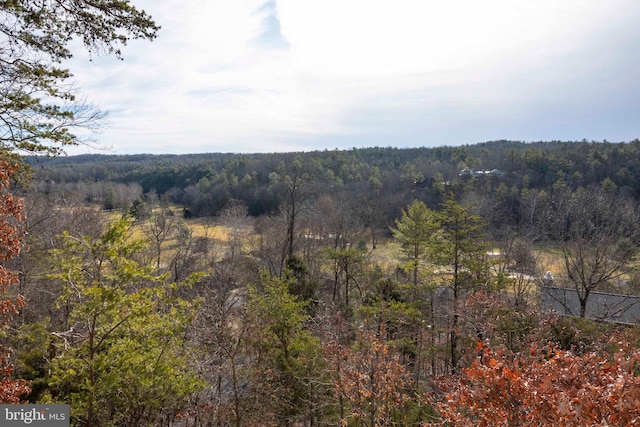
(123, 356)
(39, 106)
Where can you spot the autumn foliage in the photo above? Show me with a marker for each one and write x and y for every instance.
(545, 387)
(11, 234)
(371, 379)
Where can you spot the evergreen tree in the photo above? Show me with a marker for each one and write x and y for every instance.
(38, 104)
(413, 231)
(459, 247)
(123, 358)
(288, 357)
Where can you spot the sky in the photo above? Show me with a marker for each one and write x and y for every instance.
(249, 76)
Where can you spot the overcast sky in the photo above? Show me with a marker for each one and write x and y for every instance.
(300, 75)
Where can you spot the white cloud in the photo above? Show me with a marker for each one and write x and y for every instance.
(349, 69)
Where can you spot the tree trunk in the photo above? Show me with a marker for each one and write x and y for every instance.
(432, 340)
(454, 321)
(583, 303)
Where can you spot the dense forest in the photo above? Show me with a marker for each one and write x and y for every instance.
(367, 287)
(505, 176)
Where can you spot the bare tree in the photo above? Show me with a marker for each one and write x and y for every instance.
(598, 240)
(221, 328)
(270, 247)
(517, 269)
(235, 217)
(48, 215)
(292, 181)
(158, 227)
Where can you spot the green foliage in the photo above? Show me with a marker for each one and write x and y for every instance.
(300, 284)
(577, 333)
(260, 350)
(289, 355)
(459, 243)
(34, 350)
(123, 359)
(514, 327)
(373, 177)
(347, 264)
(458, 246)
(138, 209)
(39, 107)
(413, 231)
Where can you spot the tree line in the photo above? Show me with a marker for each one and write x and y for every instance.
(310, 315)
(363, 287)
(204, 183)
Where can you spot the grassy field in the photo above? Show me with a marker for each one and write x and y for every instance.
(550, 259)
(387, 254)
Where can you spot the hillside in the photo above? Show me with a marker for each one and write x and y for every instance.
(205, 183)
(246, 287)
